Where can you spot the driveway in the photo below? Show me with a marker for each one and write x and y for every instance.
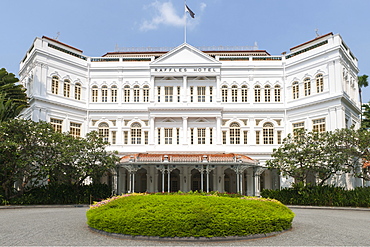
(66, 226)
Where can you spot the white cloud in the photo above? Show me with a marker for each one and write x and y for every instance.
(202, 6)
(165, 15)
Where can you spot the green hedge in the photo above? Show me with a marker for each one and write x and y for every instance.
(62, 194)
(189, 216)
(321, 196)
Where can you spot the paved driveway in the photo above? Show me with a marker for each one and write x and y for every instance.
(67, 226)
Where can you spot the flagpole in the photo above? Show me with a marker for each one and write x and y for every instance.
(185, 21)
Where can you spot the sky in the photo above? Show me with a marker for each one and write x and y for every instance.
(99, 26)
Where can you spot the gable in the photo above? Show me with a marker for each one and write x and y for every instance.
(185, 54)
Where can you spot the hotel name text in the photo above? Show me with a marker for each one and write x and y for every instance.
(184, 69)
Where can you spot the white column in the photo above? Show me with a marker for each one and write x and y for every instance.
(208, 137)
(218, 133)
(184, 89)
(195, 136)
(162, 136)
(185, 130)
(216, 91)
(152, 89)
(174, 136)
(152, 131)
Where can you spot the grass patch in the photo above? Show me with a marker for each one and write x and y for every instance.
(189, 215)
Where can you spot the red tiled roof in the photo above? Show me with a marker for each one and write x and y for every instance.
(56, 41)
(151, 157)
(295, 47)
(366, 164)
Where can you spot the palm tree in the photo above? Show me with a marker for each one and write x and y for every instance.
(362, 82)
(13, 97)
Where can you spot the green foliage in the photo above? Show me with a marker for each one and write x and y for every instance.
(63, 194)
(321, 196)
(322, 154)
(13, 97)
(365, 122)
(33, 154)
(190, 215)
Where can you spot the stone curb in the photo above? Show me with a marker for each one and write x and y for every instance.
(185, 239)
(327, 208)
(45, 206)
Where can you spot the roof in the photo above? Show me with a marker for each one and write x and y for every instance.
(56, 41)
(315, 39)
(366, 164)
(187, 158)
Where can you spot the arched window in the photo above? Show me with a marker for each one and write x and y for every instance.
(268, 133)
(234, 93)
(136, 133)
(55, 85)
(78, 91)
(307, 86)
(104, 131)
(295, 89)
(66, 88)
(267, 93)
(94, 94)
(126, 93)
(277, 93)
(136, 93)
(104, 94)
(146, 93)
(114, 93)
(257, 93)
(319, 83)
(224, 93)
(234, 133)
(244, 93)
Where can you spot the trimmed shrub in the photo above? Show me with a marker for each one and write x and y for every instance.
(190, 215)
(327, 195)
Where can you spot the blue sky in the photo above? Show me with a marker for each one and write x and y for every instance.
(97, 26)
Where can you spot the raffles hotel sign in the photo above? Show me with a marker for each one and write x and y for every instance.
(185, 70)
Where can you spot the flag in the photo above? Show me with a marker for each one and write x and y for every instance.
(191, 13)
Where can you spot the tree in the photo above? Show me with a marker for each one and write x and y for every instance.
(365, 121)
(322, 154)
(13, 97)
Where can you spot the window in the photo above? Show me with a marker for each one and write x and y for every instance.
(66, 88)
(234, 93)
(126, 93)
(94, 94)
(234, 133)
(135, 133)
(257, 93)
(159, 93)
(191, 136)
(159, 136)
(318, 125)
(104, 94)
(268, 133)
(277, 93)
(245, 137)
(104, 131)
(297, 127)
(191, 94)
(114, 139)
(55, 85)
(319, 83)
(210, 94)
(146, 93)
(114, 93)
(56, 124)
(202, 136)
(178, 93)
(136, 93)
(279, 137)
(177, 136)
(257, 137)
(267, 93)
(75, 129)
(125, 137)
(224, 93)
(307, 87)
(167, 136)
(295, 89)
(168, 94)
(210, 136)
(201, 94)
(78, 91)
(223, 137)
(244, 93)
(146, 137)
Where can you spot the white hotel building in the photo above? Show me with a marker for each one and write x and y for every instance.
(201, 119)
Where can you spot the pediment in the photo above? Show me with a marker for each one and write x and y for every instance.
(185, 54)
